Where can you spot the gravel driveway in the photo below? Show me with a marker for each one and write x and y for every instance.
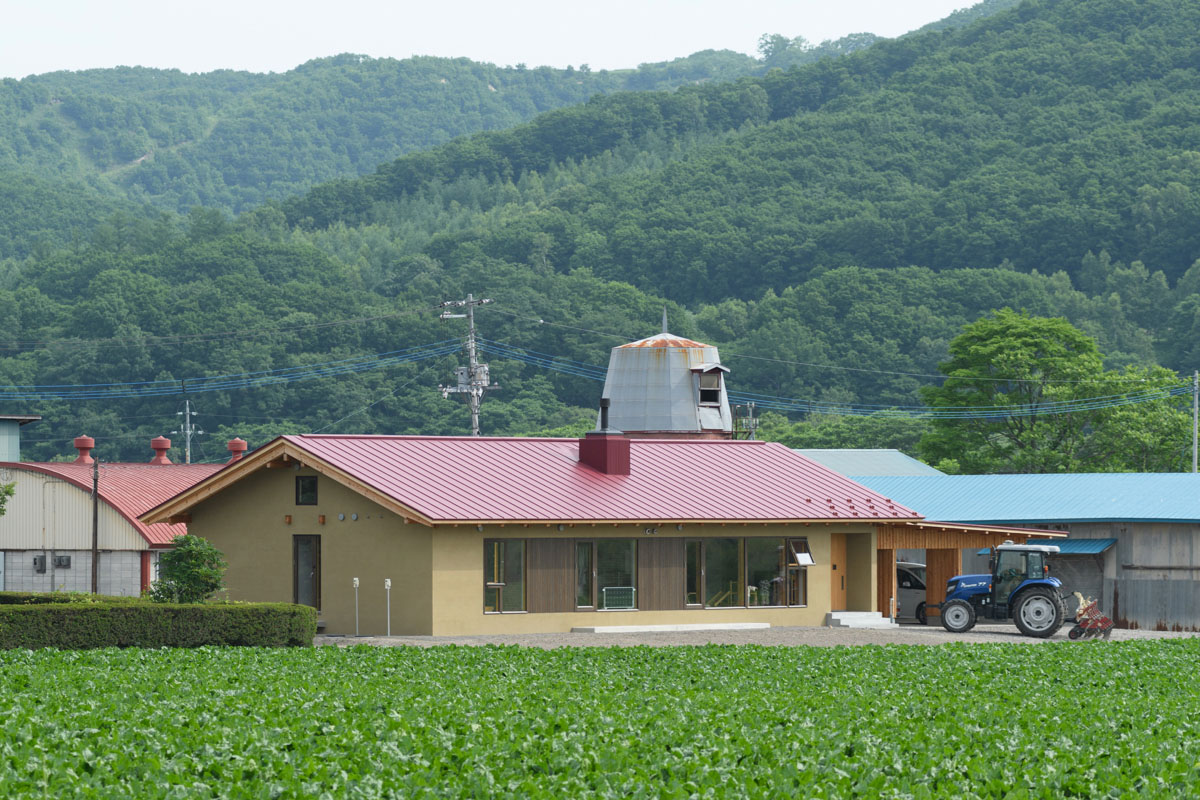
(819, 637)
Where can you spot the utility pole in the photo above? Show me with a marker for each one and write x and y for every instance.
(96, 526)
(1195, 414)
(186, 428)
(475, 379)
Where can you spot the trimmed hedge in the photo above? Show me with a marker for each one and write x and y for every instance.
(38, 598)
(83, 626)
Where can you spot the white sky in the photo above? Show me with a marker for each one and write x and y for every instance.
(39, 36)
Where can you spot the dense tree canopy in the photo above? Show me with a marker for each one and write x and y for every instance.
(1035, 367)
(778, 216)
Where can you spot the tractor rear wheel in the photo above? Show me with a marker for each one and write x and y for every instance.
(1039, 612)
(958, 616)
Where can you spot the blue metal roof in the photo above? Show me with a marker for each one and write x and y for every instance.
(869, 462)
(1046, 499)
(1069, 547)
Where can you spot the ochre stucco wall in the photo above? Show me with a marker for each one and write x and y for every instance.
(246, 522)
(458, 579)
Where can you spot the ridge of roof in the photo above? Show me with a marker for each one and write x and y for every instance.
(492, 439)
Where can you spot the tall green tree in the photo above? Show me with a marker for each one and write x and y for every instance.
(1010, 370)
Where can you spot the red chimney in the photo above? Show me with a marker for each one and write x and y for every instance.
(85, 445)
(160, 445)
(605, 450)
(237, 447)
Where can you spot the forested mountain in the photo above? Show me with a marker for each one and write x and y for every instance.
(831, 227)
(232, 140)
(1032, 138)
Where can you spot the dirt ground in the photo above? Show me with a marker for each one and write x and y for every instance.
(783, 637)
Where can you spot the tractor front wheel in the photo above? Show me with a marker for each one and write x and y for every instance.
(1039, 612)
(958, 616)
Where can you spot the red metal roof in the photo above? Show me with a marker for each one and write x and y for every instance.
(453, 479)
(131, 489)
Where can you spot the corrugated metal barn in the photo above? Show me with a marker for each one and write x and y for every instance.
(1134, 539)
(46, 532)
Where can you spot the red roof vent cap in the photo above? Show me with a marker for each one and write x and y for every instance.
(237, 446)
(85, 445)
(160, 445)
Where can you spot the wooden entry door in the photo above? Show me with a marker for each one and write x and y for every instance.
(306, 570)
(837, 572)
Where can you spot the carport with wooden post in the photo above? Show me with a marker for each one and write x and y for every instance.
(943, 543)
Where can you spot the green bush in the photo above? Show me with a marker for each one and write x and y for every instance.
(190, 572)
(82, 626)
(39, 598)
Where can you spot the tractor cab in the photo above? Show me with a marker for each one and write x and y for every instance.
(1019, 588)
(1012, 565)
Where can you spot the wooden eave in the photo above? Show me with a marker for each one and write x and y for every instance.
(925, 534)
(280, 452)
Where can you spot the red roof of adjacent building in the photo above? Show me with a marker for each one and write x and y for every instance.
(486, 479)
(131, 489)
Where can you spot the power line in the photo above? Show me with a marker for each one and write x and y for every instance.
(39, 344)
(938, 376)
(245, 380)
(776, 403)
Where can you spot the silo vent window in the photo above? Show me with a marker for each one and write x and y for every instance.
(710, 388)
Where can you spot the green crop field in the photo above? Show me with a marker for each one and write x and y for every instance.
(1090, 719)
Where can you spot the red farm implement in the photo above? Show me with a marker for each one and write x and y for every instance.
(1089, 622)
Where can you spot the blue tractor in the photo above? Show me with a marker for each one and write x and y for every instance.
(1020, 588)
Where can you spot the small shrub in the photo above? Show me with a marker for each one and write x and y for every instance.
(190, 572)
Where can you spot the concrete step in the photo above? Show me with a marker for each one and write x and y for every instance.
(858, 619)
(697, 626)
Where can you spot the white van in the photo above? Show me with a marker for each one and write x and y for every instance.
(910, 590)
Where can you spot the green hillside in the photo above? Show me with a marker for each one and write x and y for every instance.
(1032, 138)
(779, 217)
(234, 139)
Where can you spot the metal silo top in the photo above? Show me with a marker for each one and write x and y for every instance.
(667, 384)
(664, 339)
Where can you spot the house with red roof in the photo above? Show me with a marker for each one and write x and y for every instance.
(475, 535)
(46, 532)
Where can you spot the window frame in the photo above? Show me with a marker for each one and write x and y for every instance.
(500, 585)
(300, 493)
(596, 590)
(701, 388)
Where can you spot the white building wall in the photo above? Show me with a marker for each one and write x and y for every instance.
(47, 513)
(120, 572)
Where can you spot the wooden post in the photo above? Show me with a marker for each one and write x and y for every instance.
(886, 582)
(940, 566)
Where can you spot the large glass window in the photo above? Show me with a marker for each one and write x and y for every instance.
(503, 575)
(616, 573)
(723, 573)
(766, 572)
